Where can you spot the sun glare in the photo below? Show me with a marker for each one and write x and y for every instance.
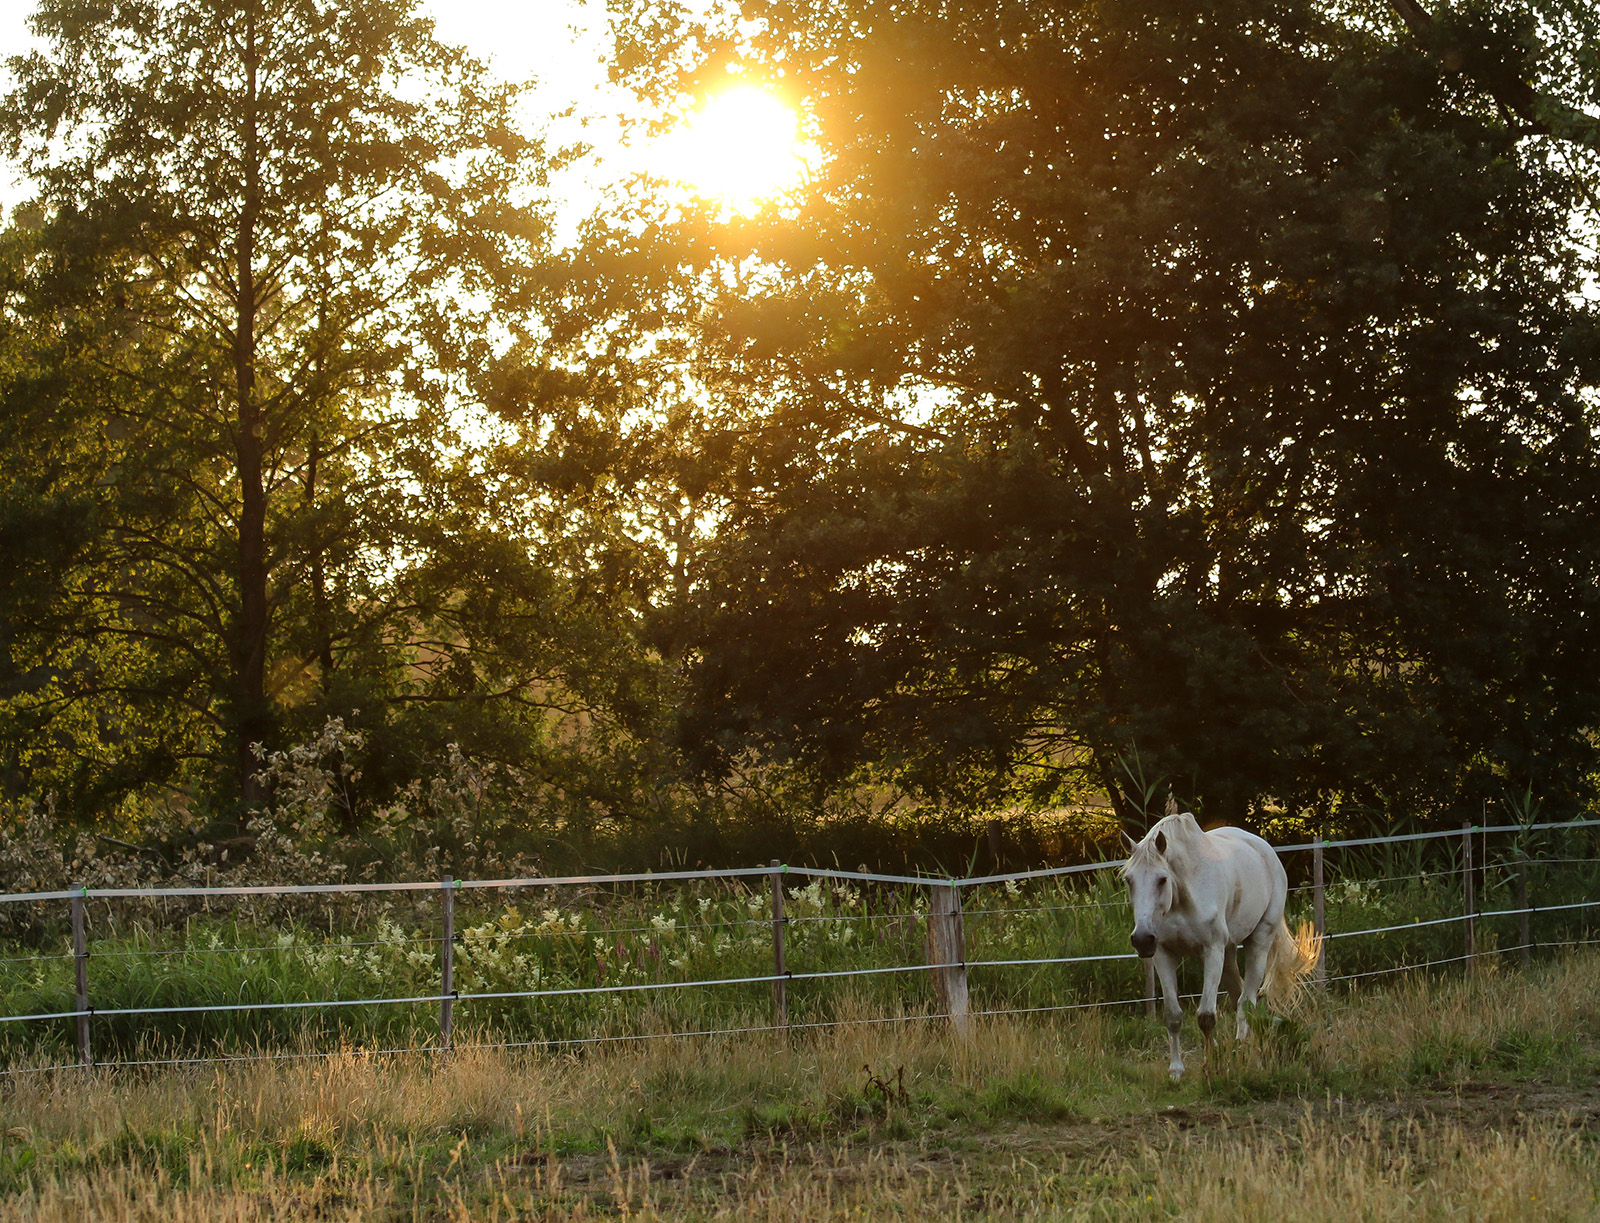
(742, 147)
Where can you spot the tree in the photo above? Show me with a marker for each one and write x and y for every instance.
(1536, 63)
(278, 248)
(1215, 380)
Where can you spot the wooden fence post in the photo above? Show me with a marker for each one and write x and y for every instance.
(947, 953)
(80, 966)
(1319, 917)
(1468, 895)
(780, 967)
(447, 968)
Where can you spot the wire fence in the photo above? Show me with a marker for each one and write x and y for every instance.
(781, 929)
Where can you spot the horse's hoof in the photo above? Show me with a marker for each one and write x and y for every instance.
(1175, 1073)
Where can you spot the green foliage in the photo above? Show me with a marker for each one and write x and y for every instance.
(1211, 389)
(249, 367)
(1216, 382)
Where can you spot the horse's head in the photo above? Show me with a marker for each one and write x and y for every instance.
(1151, 890)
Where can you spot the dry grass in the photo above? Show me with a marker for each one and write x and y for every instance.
(1401, 1171)
(1324, 1174)
(1362, 1108)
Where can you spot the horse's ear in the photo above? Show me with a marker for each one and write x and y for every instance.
(1161, 842)
(1132, 844)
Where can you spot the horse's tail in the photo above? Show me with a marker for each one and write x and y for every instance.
(1290, 960)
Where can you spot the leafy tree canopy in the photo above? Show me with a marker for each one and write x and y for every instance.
(255, 329)
(1216, 380)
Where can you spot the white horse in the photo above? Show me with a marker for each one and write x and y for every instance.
(1203, 894)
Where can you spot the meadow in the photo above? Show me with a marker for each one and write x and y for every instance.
(1451, 1091)
(1469, 1097)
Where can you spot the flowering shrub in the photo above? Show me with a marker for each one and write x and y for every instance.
(303, 837)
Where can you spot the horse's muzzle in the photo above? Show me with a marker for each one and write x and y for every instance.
(1144, 943)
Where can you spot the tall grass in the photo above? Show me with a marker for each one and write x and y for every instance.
(1063, 1118)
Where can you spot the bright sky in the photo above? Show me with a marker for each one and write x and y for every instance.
(530, 38)
(15, 40)
(560, 43)
(741, 146)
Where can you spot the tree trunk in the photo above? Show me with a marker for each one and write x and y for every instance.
(321, 624)
(251, 719)
(1132, 823)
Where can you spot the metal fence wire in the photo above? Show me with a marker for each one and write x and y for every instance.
(933, 931)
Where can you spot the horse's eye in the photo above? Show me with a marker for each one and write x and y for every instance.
(1161, 882)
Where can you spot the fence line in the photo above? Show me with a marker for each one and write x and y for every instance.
(765, 978)
(754, 1029)
(1289, 849)
(946, 957)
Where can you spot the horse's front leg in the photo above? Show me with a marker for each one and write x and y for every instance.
(1167, 971)
(1206, 1015)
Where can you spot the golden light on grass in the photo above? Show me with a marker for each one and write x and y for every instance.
(742, 147)
(1059, 1119)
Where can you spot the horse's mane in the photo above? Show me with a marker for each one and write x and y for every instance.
(1180, 834)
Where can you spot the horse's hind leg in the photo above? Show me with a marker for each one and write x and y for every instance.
(1256, 948)
(1167, 971)
(1230, 975)
(1231, 980)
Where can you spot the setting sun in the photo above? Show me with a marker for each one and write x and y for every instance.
(742, 147)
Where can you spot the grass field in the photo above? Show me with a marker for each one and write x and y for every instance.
(1472, 1098)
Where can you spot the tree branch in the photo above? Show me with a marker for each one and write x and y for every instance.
(1540, 113)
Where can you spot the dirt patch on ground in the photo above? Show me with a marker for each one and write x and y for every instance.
(968, 1154)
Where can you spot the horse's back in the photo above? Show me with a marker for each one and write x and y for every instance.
(1255, 863)
(1244, 843)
